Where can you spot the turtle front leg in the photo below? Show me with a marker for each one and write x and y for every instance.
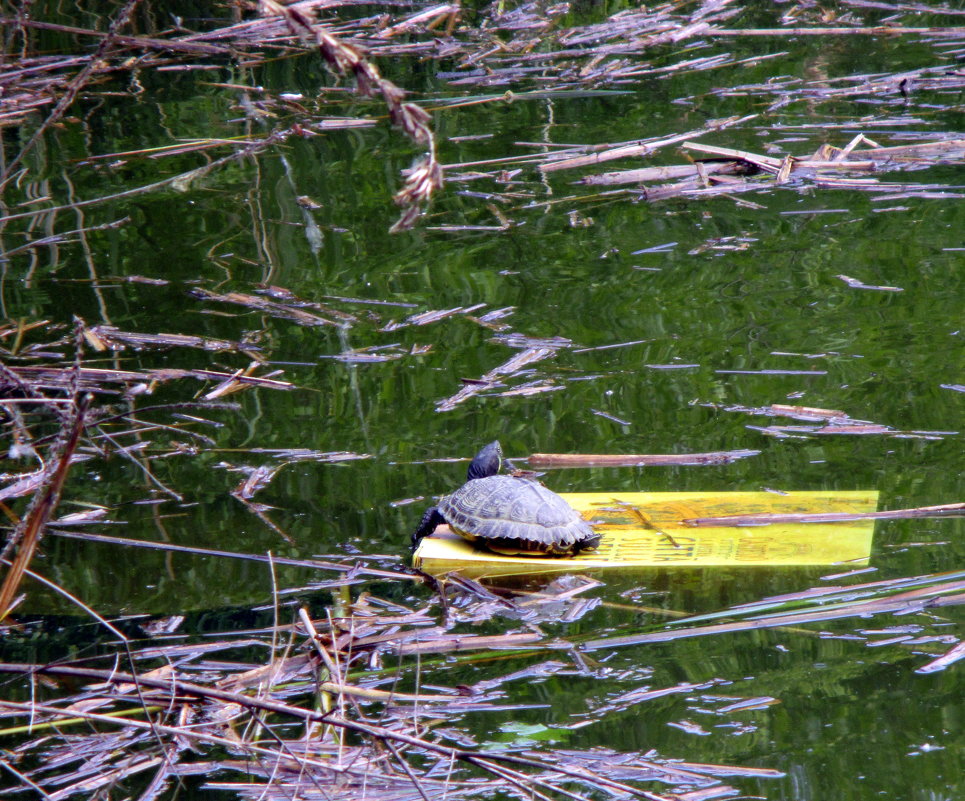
(432, 518)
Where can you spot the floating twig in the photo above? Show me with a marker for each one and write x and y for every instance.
(27, 535)
(547, 460)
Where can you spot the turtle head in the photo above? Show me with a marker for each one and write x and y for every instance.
(488, 462)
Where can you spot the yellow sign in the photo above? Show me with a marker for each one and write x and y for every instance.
(646, 529)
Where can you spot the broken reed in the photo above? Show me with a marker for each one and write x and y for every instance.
(172, 725)
(31, 82)
(26, 535)
(242, 709)
(345, 59)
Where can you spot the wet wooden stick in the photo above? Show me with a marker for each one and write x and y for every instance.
(544, 460)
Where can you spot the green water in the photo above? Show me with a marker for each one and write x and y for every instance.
(738, 289)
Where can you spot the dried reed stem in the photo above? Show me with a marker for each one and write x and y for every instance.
(344, 59)
(27, 534)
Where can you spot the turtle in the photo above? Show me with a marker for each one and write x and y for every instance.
(509, 514)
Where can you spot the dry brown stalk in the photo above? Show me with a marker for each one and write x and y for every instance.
(285, 311)
(105, 337)
(27, 535)
(392, 755)
(545, 460)
(560, 161)
(734, 171)
(181, 180)
(651, 174)
(453, 643)
(763, 162)
(64, 237)
(492, 378)
(879, 30)
(75, 86)
(98, 380)
(174, 686)
(66, 716)
(425, 177)
(141, 42)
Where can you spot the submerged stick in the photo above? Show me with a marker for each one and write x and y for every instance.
(541, 460)
(879, 30)
(354, 568)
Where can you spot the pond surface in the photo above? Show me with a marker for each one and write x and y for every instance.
(660, 326)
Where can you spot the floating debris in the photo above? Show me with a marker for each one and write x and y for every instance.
(100, 733)
(546, 349)
(854, 283)
(549, 460)
(848, 428)
(610, 417)
(286, 311)
(425, 318)
(107, 337)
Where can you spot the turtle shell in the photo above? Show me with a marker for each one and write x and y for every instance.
(514, 515)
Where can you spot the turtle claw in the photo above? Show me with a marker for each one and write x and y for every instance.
(430, 520)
